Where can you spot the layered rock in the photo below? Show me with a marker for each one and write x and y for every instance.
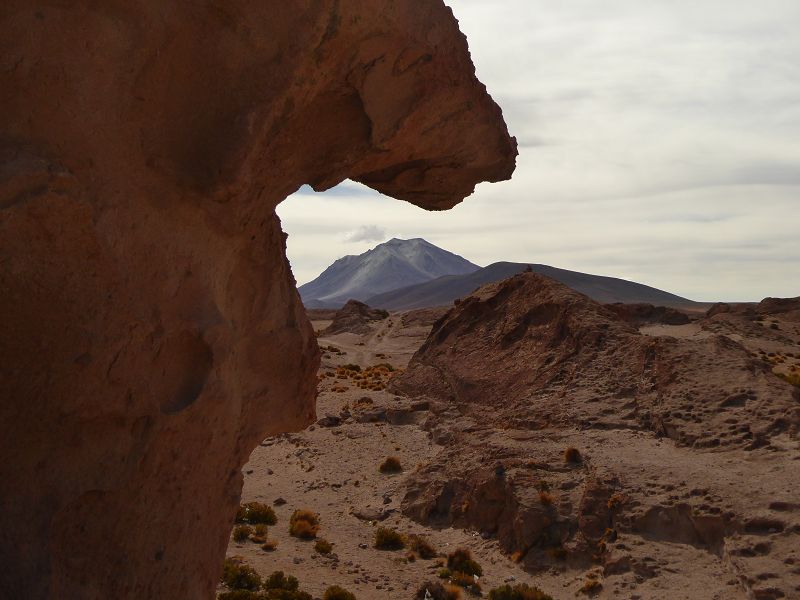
(151, 333)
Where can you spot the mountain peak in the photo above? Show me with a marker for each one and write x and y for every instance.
(390, 265)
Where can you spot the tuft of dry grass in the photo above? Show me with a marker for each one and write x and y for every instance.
(520, 591)
(422, 547)
(546, 498)
(461, 561)
(304, 524)
(269, 546)
(238, 575)
(572, 456)
(337, 593)
(391, 465)
(388, 539)
(241, 533)
(468, 582)
(256, 513)
(323, 546)
(437, 591)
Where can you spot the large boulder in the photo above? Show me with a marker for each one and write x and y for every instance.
(151, 332)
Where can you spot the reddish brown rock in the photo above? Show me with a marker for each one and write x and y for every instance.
(151, 331)
(355, 317)
(683, 438)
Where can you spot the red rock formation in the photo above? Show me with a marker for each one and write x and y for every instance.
(526, 368)
(151, 331)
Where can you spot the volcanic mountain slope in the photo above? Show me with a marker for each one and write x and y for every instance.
(444, 290)
(685, 459)
(388, 266)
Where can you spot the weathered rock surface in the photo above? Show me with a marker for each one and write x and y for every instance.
(641, 313)
(355, 317)
(151, 332)
(687, 440)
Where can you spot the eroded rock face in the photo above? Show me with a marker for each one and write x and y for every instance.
(151, 331)
(576, 440)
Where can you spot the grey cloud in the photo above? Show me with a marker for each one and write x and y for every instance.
(366, 233)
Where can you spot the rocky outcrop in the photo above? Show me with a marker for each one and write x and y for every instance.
(574, 440)
(151, 333)
(536, 351)
(643, 314)
(355, 317)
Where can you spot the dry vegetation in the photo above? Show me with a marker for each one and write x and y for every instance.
(304, 524)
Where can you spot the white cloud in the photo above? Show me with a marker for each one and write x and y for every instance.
(366, 233)
(658, 142)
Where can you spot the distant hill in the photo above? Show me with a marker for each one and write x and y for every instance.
(445, 290)
(388, 266)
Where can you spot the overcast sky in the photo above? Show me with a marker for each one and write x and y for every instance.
(659, 142)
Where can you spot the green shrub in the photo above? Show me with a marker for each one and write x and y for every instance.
(241, 533)
(279, 581)
(237, 575)
(304, 524)
(391, 465)
(388, 539)
(323, 547)
(461, 561)
(255, 513)
(337, 593)
(520, 591)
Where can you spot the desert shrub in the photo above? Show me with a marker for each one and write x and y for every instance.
(259, 534)
(237, 575)
(286, 595)
(323, 547)
(520, 591)
(443, 573)
(255, 513)
(269, 546)
(351, 367)
(280, 581)
(388, 539)
(240, 595)
(337, 593)
(572, 456)
(466, 581)
(304, 524)
(391, 465)
(437, 591)
(421, 546)
(241, 533)
(461, 561)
